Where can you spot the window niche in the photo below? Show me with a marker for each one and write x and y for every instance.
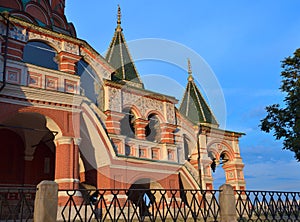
(127, 123)
(90, 84)
(153, 131)
(40, 54)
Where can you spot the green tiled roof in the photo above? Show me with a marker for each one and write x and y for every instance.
(119, 57)
(193, 105)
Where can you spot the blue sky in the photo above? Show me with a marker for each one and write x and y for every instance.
(243, 43)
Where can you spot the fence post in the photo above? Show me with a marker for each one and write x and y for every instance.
(227, 204)
(45, 204)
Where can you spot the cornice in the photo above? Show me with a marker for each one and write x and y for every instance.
(63, 37)
(139, 91)
(23, 95)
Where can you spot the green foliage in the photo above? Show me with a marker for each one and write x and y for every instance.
(285, 122)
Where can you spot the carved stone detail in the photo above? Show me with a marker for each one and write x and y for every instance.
(114, 99)
(70, 47)
(15, 32)
(54, 43)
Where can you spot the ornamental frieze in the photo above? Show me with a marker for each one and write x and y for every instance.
(114, 99)
(15, 32)
(54, 43)
(70, 47)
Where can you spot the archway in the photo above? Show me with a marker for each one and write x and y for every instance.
(141, 196)
(153, 131)
(28, 149)
(40, 54)
(127, 123)
(11, 158)
(220, 158)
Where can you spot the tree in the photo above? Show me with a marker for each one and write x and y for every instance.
(285, 122)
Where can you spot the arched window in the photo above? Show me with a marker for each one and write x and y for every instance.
(90, 83)
(127, 123)
(187, 147)
(153, 131)
(40, 54)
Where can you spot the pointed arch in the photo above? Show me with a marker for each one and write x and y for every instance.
(45, 4)
(38, 12)
(24, 16)
(59, 21)
(13, 4)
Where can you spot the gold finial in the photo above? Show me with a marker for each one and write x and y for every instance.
(119, 15)
(190, 78)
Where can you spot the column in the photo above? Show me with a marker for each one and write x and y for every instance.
(167, 133)
(67, 62)
(112, 122)
(66, 163)
(140, 128)
(234, 175)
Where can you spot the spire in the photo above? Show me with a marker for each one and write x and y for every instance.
(119, 57)
(119, 20)
(193, 105)
(190, 78)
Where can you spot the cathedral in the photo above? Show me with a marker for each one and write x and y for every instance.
(82, 119)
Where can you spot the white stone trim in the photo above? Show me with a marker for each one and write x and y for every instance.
(67, 180)
(64, 140)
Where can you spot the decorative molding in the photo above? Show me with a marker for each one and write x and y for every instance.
(77, 141)
(13, 75)
(64, 140)
(34, 80)
(71, 86)
(17, 33)
(51, 82)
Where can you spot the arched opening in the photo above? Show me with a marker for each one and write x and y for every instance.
(90, 83)
(11, 158)
(40, 54)
(140, 194)
(217, 168)
(187, 147)
(28, 150)
(127, 123)
(153, 131)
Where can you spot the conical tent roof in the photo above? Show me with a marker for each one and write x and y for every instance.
(119, 57)
(193, 105)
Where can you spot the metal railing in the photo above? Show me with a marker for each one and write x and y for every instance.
(139, 205)
(267, 206)
(17, 203)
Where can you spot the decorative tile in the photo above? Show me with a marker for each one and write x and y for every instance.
(51, 82)
(70, 86)
(13, 75)
(34, 80)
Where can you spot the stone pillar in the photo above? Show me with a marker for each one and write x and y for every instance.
(227, 204)
(140, 128)
(67, 62)
(14, 49)
(112, 122)
(66, 163)
(45, 204)
(234, 175)
(167, 133)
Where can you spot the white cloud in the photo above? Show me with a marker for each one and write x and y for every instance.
(273, 175)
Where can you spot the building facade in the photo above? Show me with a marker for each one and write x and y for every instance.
(71, 115)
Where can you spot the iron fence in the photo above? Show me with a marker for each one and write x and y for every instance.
(139, 205)
(267, 206)
(17, 203)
